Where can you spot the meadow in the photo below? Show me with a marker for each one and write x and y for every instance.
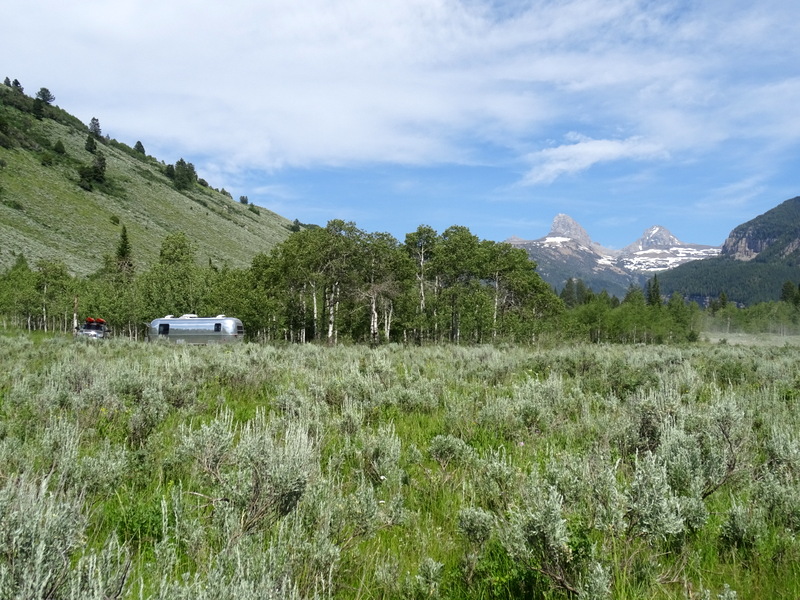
(134, 470)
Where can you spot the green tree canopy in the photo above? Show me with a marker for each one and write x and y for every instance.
(185, 175)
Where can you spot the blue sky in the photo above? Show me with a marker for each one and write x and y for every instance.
(495, 115)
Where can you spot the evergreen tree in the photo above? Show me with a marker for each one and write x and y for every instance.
(17, 86)
(568, 294)
(139, 147)
(653, 292)
(94, 128)
(45, 96)
(91, 144)
(123, 255)
(94, 173)
(244, 200)
(788, 292)
(185, 175)
(99, 168)
(7, 82)
(583, 294)
(38, 109)
(59, 148)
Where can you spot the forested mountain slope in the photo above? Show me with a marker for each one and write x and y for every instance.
(62, 200)
(756, 259)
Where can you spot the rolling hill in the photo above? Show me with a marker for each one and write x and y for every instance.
(46, 214)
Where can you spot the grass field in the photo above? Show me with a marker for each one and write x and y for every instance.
(130, 470)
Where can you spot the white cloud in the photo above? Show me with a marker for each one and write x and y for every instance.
(568, 159)
(268, 85)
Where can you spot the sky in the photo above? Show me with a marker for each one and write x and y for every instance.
(494, 115)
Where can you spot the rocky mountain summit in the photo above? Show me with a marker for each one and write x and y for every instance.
(775, 235)
(658, 250)
(568, 251)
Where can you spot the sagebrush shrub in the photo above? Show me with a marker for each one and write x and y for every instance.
(655, 511)
(475, 524)
(447, 449)
(741, 528)
(42, 541)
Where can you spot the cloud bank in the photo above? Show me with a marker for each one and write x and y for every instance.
(271, 86)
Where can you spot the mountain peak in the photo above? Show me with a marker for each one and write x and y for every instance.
(654, 237)
(565, 226)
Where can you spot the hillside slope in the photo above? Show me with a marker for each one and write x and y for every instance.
(46, 215)
(756, 259)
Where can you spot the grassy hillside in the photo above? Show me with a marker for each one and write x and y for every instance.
(45, 214)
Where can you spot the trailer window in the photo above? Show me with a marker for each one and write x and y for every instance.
(163, 329)
(217, 327)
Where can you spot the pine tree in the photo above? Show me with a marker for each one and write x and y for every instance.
(653, 292)
(185, 175)
(123, 255)
(139, 148)
(788, 292)
(94, 128)
(38, 109)
(45, 96)
(568, 294)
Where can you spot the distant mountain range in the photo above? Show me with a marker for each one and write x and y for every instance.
(751, 266)
(569, 252)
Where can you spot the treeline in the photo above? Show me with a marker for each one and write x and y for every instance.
(341, 284)
(744, 282)
(643, 316)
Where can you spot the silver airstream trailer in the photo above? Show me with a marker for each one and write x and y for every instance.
(191, 329)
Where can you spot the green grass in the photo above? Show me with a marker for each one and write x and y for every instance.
(347, 472)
